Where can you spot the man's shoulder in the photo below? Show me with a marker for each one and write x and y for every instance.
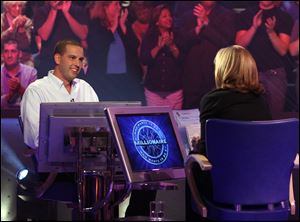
(82, 82)
(39, 84)
(28, 69)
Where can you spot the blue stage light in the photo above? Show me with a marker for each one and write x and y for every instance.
(21, 174)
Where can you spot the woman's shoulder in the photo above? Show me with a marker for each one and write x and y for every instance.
(228, 96)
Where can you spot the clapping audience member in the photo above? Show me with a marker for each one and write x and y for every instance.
(55, 21)
(114, 70)
(15, 76)
(204, 31)
(142, 13)
(15, 25)
(161, 54)
(265, 31)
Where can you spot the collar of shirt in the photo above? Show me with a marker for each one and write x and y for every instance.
(5, 71)
(58, 82)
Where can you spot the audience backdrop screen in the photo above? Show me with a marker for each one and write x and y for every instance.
(148, 143)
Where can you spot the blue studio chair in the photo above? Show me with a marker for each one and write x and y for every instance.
(250, 165)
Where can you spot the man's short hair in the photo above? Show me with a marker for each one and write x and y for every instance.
(60, 46)
(9, 41)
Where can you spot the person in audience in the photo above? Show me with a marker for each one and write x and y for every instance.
(55, 21)
(265, 30)
(238, 96)
(113, 68)
(15, 25)
(294, 51)
(15, 76)
(61, 85)
(204, 31)
(142, 13)
(161, 54)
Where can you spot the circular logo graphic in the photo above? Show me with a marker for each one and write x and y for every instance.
(150, 142)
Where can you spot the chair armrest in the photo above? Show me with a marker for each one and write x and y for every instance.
(204, 164)
(201, 160)
(296, 162)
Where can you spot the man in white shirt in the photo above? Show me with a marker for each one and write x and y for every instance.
(61, 85)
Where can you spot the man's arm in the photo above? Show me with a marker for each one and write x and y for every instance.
(244, 37)
(78, 29)
(46, 29)
(279, 41)
(30, 113)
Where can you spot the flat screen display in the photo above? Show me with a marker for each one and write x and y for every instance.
(150, 141)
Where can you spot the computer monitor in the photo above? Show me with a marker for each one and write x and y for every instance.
(148, 143)
(59, 121)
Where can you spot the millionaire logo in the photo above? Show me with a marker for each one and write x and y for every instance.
(150, 142)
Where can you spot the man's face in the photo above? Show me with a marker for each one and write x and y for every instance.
(15, 9)
(143, 15)
(70, 63)
(10, 54)
(208, 4)
(266, 4)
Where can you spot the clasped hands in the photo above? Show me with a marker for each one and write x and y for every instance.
(14, 84)
(64, 6)
(18, 23)
(166, 39)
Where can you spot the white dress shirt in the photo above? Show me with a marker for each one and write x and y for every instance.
(49, 89)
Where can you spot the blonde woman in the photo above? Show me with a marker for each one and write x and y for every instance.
(238, 94)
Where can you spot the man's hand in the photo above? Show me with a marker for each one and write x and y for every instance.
(14, 84)
(55, 4)
(65, 7)
(123, 16)
(201, 14)
(270, 24)
(257, 19)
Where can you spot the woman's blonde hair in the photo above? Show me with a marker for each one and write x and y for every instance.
(235, 68)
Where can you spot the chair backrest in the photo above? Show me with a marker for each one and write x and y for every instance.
(251, 160)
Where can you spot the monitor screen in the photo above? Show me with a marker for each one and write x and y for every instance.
(58, 125)
(148, 143)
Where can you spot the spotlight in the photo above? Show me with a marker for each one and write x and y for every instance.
(21, 174)
(26, 179)
(27, 184)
